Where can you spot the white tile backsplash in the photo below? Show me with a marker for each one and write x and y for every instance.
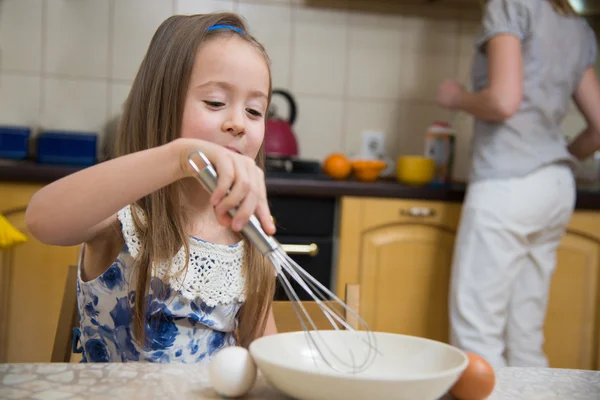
(430, 35)
(463, 126)
(379, 116)
(135, 22)
(349, 70)
(373, 32)
(466, 48)
(374, 58)
(70, 104)
(77, 38)
(278, 2)
(463, 73)
(374, 74)
(271, 24)
(467, 34)
(21, 23)
(573, 124)
(118, 95)
(19, 99)
(415, 117)
(319, 52)
(204, 6)
(422, 74)
(319, 126)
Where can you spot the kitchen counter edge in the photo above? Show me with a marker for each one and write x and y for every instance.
(28, 172)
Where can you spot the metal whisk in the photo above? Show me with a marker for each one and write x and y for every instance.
(355, 357)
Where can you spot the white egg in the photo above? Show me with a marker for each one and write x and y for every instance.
(232, 371)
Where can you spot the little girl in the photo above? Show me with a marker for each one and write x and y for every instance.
(164, 273)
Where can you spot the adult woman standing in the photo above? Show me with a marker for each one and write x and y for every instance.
(532, 57)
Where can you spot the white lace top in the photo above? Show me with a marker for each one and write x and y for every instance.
(188, 318)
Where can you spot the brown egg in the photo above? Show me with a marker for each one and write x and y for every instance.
(476, 382)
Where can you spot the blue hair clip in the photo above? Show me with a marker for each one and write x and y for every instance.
(231, 28)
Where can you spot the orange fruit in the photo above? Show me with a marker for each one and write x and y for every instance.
(337, 166)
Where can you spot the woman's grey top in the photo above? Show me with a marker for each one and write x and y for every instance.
(556, 51)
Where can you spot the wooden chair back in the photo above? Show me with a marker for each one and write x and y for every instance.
(68, 319)
(286, 319)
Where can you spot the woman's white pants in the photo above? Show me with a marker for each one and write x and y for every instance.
(504, 258)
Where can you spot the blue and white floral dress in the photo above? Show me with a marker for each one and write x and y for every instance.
(188, 318)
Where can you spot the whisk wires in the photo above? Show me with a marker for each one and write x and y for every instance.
(322, 296)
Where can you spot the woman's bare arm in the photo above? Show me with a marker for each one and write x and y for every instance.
(504, 94)
(587, 99)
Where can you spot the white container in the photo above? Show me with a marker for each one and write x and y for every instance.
(440, 145)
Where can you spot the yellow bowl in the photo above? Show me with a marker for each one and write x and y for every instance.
(415, 170)
(367, 170)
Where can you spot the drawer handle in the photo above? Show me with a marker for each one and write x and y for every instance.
(304, 249)
(418, 212)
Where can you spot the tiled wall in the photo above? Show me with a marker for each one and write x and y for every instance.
(68, 64)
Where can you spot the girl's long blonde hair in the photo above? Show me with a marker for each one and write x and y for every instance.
(152, 116)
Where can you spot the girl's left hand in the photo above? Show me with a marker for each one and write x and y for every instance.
(449, 93)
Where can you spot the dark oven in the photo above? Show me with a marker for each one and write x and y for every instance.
(305, 227)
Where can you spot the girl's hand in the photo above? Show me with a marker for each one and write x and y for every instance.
(449, 94)
(245, 182)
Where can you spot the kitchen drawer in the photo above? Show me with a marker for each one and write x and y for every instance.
(379, 212)
(303, 216)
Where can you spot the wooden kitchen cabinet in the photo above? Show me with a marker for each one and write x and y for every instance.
(32, 279)
(400, 253)
(572, 326)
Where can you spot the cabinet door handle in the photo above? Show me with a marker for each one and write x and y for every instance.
(304, 249)
(418, 212)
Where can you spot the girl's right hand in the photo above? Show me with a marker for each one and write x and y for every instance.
(239, 175)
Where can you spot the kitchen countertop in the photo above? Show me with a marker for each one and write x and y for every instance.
(27, 171)
(587, 199)
(181, 381)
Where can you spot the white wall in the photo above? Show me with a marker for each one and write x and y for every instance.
(68, 64)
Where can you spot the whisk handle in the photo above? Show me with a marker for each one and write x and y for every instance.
(207, 175)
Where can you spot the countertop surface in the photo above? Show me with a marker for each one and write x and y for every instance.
(181, 381)
(304, 185)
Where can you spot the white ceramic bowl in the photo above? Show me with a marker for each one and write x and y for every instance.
(406, 367)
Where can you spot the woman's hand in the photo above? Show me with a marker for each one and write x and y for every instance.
(502, 98)
(449, 94)
(244, 180)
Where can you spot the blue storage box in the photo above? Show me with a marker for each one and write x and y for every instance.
(14, 142)
(66, 148)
